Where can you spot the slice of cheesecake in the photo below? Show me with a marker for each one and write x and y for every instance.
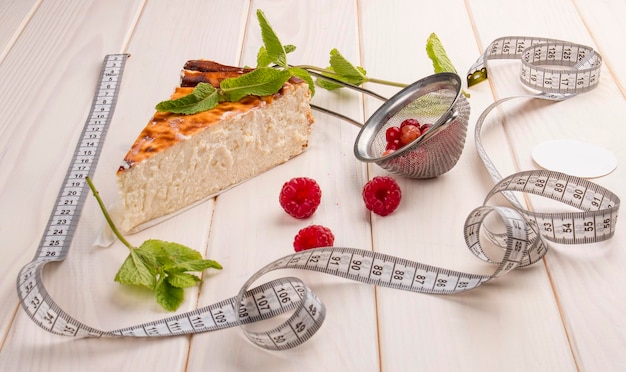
(178, 160)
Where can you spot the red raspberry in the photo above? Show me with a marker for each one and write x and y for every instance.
(313, 236)
(300, 197)
(382, 195)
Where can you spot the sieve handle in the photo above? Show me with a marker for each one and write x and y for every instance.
(347, 85)
(337, 115)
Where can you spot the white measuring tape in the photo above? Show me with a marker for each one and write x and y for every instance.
(523, 242)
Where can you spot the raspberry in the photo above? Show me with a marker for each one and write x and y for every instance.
(313, 236)
(300, 197)
(382, 195)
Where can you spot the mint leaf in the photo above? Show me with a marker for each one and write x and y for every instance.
(167, 253)
(341, 69)
(274, 49)
(263, 81)
(158, 265)
(304, 75)
(168, 296)
(289, 48)
(264, 60)
(183, 280)
(196, 265)
(437, 54)
(135, 271)
(204, 97)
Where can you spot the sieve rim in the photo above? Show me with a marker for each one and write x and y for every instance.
(367, 133)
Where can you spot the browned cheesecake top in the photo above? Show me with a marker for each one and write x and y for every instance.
(166, 129)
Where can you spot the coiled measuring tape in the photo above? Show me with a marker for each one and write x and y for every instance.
(523, 244)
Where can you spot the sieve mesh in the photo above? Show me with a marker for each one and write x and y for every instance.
(436, 100)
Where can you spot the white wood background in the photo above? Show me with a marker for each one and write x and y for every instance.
(565, 313)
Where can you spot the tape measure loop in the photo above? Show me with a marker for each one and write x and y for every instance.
(578, 66)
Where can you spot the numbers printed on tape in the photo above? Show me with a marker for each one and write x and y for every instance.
(578, 65)
(523, 243)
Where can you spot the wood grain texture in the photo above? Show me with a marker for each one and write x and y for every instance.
(585, 277)
(14, 15)
(605, 25)
(441, 332)
(48, 78)
(250, 229)
(561, 314)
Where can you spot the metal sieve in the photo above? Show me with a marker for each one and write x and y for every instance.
(436, 100)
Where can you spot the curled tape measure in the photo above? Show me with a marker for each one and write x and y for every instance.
(289, 298)
(578, 71)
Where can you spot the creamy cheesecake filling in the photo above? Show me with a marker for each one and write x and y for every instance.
(178, 160)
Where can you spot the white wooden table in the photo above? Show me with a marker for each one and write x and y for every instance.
(565, 313)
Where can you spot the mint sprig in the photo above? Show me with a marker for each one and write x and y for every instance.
(160, 266)
(343, 70)
(264, 80)
(273, 70)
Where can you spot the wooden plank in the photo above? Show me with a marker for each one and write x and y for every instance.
(604, 23)
(484, 329)
(561, 314)
(587, 279)
(83, 285)
(250, 229)
(14, 17)
(48, 78)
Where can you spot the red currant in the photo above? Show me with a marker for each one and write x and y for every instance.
(410, 122)
(393, 145)
(409, 133)
(392, 134)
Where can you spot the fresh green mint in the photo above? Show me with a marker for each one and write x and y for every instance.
(437, 54)
(263, 58)
(204, 97)
(160, 266)
(273, 70)
(275, 52)
(262, 81)
(341, 69)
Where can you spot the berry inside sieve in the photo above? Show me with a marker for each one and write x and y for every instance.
(436, 100)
